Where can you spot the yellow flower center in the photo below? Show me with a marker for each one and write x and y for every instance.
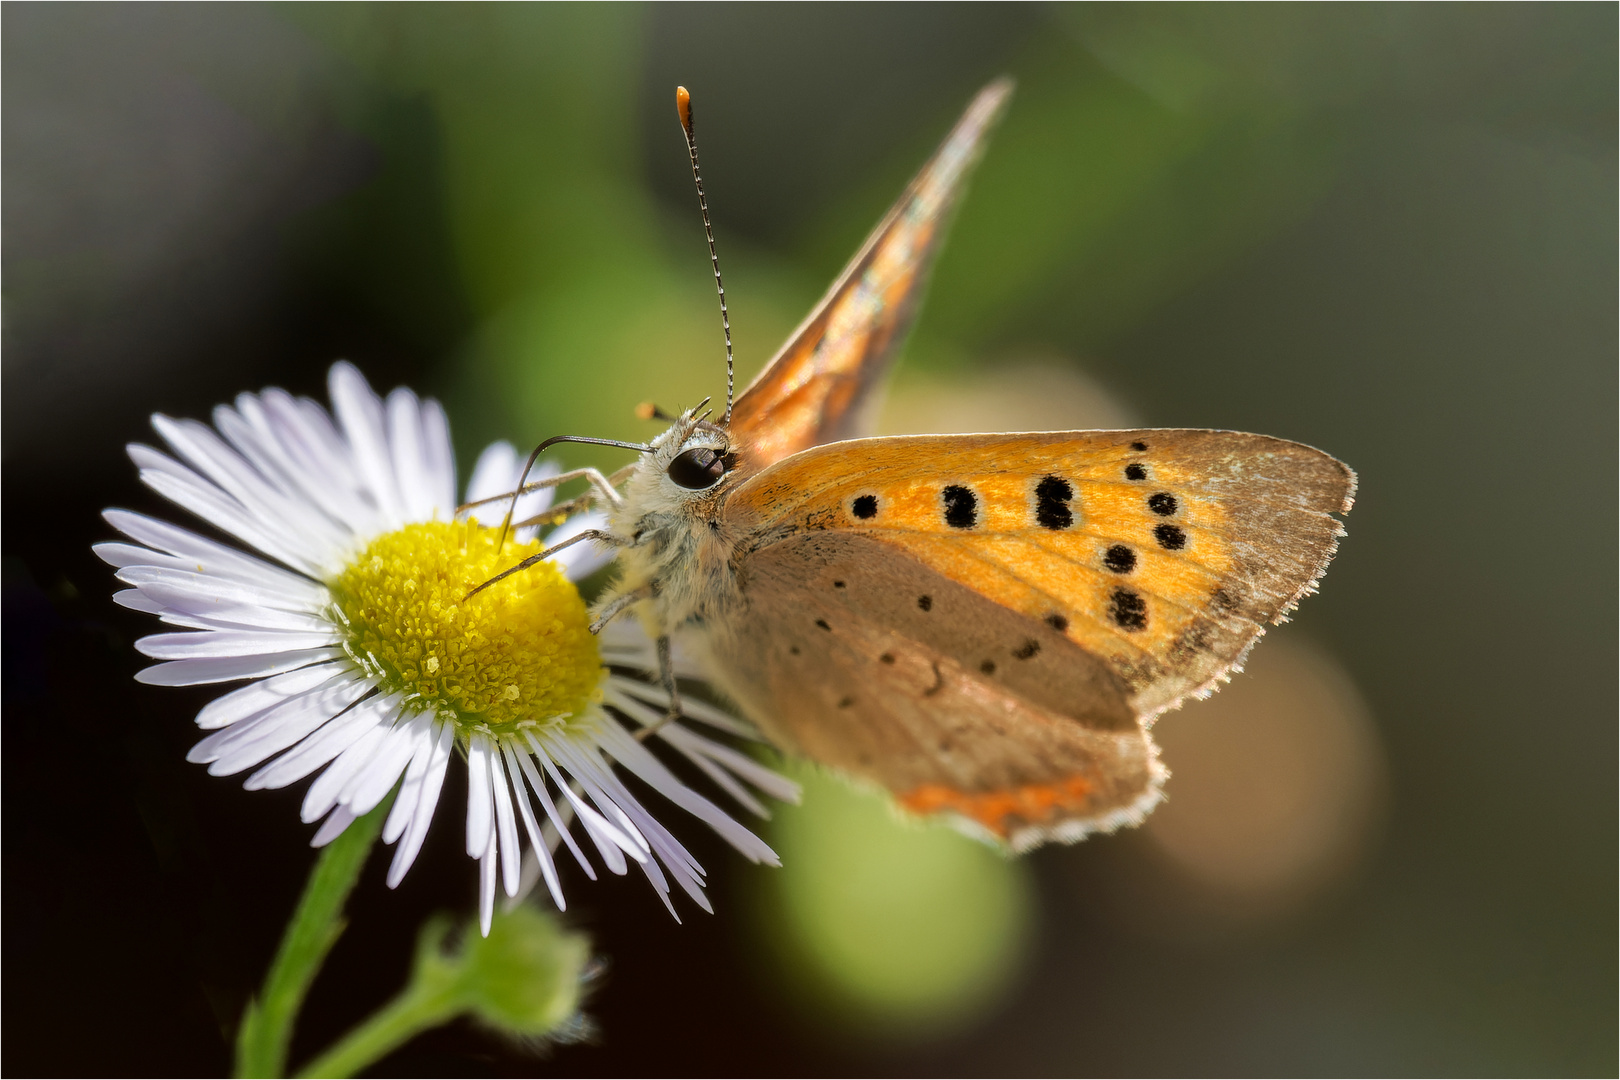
(519, 652)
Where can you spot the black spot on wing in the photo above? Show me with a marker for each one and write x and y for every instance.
(1057, 622)
(925, 602)
(865, 507)
(1138, 446)
(1127, 608)
(1027, 650)
(1120, 559)
(887, 658)
(961, 507)
(1162, 503)
(1170, 537)
(823, 624)
(845, 702)
(838, 584)
(988, 667)
(1052, 497)
(1133, 471)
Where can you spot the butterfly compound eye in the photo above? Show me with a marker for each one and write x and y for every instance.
(699, 468)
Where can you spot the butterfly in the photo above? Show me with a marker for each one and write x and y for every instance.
(985, 626)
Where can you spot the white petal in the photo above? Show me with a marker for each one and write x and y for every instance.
(542, 850)
(340, 818)
(410, 789)
(661, 885)
(699, 749)
(360, 415)
(587, 771)
(493, 472)
(624, 642)
(120, 555)
(254, 443)
(325, 744)
(480, 812)
(506, 823)
(183, 487)
(223, 601)
(416, 831)
(255, 698)
(207, 557)
(296, 523)
(716, 759)
(374, 781)
(230, 668)
(135, 600)
(236, 643)
(497, 474)
(619, 687)
(535, 502)
(405, 447)
(722, 779)
(527, 880)
(486, 886)
(323, 793)
(439, 459)
(236, 618)
(265, 734)
(556, 817)
(669, 852)
(319, 458)
(611, 842)
(278, 450)
(639, 760)
(326, 440)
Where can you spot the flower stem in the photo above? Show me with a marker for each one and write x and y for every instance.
(418, 1008)
(267, 1024)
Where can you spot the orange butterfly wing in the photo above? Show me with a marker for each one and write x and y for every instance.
(1164, 552)
(813, 389)
(985, 617)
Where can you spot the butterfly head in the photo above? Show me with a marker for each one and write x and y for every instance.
(691, 458)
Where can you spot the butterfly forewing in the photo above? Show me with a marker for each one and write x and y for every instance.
(1163, 554)
(813, 390)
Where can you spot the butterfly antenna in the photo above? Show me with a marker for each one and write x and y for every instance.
(683, 106)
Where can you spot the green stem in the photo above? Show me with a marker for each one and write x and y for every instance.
(267, 1024)
(417, 1009)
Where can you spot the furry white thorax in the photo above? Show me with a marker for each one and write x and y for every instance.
(676, 547)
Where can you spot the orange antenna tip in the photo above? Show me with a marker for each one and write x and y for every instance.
(646, 411)
(683, 107)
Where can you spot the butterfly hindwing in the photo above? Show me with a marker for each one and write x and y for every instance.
(1162, 554)
(869, 661)
(814, 389)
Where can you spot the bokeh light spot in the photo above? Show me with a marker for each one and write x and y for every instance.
(898, 927)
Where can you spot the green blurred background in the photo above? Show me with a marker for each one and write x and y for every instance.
(1387, 230)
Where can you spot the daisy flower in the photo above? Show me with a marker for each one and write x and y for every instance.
(364, 660)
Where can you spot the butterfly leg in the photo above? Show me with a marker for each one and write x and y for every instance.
(557, 514)
(603, 485)
(666, 674)
(620, 603)
(589, 534)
